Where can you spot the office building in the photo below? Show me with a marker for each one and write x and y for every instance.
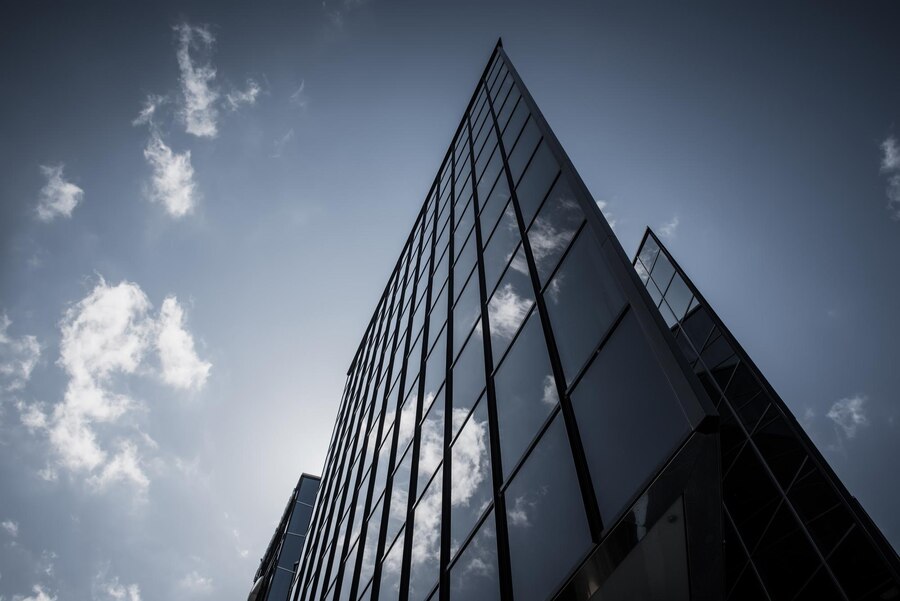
(519, 422)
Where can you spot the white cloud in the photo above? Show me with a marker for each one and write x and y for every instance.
(148, 111)
(298, 97)
(57, 197)
(105, 336)
(199, 111)
(549, 396)
(247, 96)
(172, 183)
(181, 367)
(111, 589)
(890, 164)
(18, 357)
(11, 527)
(667, 230)
(38, 595)
(196, 584)
(125, 467)
(849, 414)
(610, 218)
(506, 311)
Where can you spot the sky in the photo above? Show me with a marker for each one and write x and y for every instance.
(200, 203)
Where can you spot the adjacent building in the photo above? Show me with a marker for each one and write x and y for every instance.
(278, 567)
(523, 420)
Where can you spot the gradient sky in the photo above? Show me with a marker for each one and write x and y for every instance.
(200, 204)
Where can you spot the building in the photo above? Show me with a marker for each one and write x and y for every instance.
(791, 527)
(278, 566)
(519, 421)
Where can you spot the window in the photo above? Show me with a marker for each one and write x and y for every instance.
(470, 471)
(474, 576)
(500, 247)
(548, 531)
(583, 299)
(468, 374)
(510, 304)
(467, 311)
(391, 569)
(536, 182)
(526, 392)
(629, 417)
(425, 553)
(431, 441)
(554, 227)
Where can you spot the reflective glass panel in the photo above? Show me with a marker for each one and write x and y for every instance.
(431, 443)
(583, 299)
(554, 227)
(474, 577)
(471, 490)
(391, 568)
(466, 312)
(426, 542)
(468, 374)
(548, 530)
(526, 392)
(510, 304)
(500, 247)
(628, 415)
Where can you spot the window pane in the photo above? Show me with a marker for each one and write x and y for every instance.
(390, 571)
(464, 262)
(554, 227)
(523, 149)
(583, 299)
(465, 219)
(431, 442)
(426, 542)
(629, 417)
(399, 496)
(468, 374)
(436, 368)
(466, 312)
(526, 392)
(548, 531)
(536, 182)
(474, 577)
(500, 247)
(470, 469)
(493, 206)
(510, 304)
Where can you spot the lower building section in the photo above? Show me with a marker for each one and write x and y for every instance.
(278, 566)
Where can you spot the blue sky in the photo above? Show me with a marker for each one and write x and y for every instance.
(200, 204)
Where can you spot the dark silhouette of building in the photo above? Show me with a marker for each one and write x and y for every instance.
(278, 566)
(519, 421)
(792, 531)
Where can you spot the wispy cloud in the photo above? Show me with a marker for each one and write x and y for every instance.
(667, 230)
(299, 98)
(58, 197)
(172, 183)
(10, 527)
(890, 165)
(106, 588)
(604, 208)
(151, 105)
(105, 336)
(337, 10)
(849, 414)
(195, 583)
(18, 357)
(199, 94)
(280, 143)
(238, 98)
(38, 594)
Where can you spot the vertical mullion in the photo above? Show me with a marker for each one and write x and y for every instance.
(444, 580)
(505, 574)
(589, 497)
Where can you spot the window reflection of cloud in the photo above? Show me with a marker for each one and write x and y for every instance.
(431, 442)
(547, 241)
(506, 311)
(549, 396)
(518, 514)
(427, 535)
(469, 459)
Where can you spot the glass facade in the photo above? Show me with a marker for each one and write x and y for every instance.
(525, 417)
(484, 448)
(792, 531)
(278, 567)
